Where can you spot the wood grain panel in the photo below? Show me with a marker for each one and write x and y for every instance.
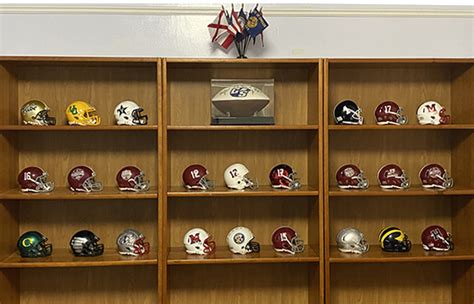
(407, 84)
(102, 85)
(371, 214)
(417, 283)
(60, 220)
(463, 282)
(260, 152)
(462, 92)
(409, 149)
(8, 95)
(189, 91)
(219, 215)
(125, 285)
(463, 225)
(9, 286)
(239, 284)
(105, 152)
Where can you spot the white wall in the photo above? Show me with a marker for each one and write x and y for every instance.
(186, 35)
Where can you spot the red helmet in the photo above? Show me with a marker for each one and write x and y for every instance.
(389, 113)
(195, 177)
(436, 238)
(34, 179)
(391, 176)
(131, 178)
(82, 179)
(351, 177)
(285, 239)
(433, 176)
(282, 176)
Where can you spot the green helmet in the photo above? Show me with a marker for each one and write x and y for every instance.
(32, 244)
(35, 112)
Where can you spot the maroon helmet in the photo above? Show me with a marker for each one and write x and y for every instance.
(130, 178)
(433, 176)
(389, 113)
(436, 238)
(82, 179)
(285, 239)
(351, 177)
(391, 176)
(195, 177)
(282, 176)
(34, 179)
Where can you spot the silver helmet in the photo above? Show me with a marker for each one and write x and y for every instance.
(351, 240)
(131, 242)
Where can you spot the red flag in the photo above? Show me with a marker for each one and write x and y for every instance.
(219, 31)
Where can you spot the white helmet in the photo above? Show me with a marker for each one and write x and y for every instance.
(351, 240)
(235, 177)
(131, 242)
(240, 240)
(198, 241)
(128, 113)
(432, 113)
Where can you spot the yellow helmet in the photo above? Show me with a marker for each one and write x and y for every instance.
(82, 114)
(35, 112)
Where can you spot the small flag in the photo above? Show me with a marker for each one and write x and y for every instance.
(256, 24)
(219, 31)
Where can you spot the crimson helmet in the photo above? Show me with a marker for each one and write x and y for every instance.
(282, 176)
(351, 177)
(82, 179)
(195, 177)
(391, 176)
(34, 179)
(285, 239)
(433, 176)
(436, 238)
(389, 113)
(130, 178)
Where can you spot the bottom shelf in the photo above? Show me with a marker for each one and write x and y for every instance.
(237, 284)
(178, 256)
(414, 283)
(416, 254)
(80, 285)
(62, 257)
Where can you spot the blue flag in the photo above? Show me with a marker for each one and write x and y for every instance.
(256, 24)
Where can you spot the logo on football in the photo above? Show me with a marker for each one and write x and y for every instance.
(240, 100)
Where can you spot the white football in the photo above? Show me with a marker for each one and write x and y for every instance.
(240, 100)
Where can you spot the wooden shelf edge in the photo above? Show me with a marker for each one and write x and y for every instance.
(77, 128)
(399, 128)
(334, 191)
(62, 193)
(178, 191)
(177, 256)
(62, 258)
(245, 128)
(240, 61)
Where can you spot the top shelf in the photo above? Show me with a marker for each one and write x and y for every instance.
(77, 128)
(404, 127)
(244, 128)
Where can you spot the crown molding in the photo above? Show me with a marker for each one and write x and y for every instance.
(290, 10)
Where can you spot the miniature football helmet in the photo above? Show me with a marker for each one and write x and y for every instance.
(434, 176)
(391, 176)
(432, 113)
(195, 177)
(131, 242)
(82, 179)
(282, 176)
(392, 239)
(85, 243)
(81, 113)
(436, 238)
(130, 178)
(129, 113)
(389, 113)
(240, 240)
(34, 179)
(32, 244)
(347, 112)
(35, 112)
(351, 240)
(198, 241)
(285, 239)
(240, 100)
(236, 176)
(351, 177)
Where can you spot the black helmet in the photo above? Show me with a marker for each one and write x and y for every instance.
(393, 239)
(347, 112)
(84, 243)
